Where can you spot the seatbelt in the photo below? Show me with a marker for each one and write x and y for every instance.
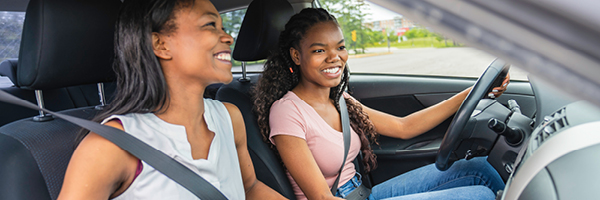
(346, 130)
(155, 158)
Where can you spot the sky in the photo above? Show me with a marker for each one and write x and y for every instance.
(380, 13)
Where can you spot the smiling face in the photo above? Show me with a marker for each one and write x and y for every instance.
(322, 56)
(199, 49)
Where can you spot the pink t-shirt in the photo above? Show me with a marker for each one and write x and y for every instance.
(290, 115)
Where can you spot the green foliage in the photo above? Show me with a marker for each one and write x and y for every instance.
(418, 33)
(392, 36)
(375, 37)
(423, 42)
(232, 21)
(350, 16)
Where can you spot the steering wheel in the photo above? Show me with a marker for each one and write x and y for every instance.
(492, 76)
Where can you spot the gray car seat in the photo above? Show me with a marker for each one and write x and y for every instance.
(263, 22)
(64, 43)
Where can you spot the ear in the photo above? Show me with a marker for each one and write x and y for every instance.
(160, 48)
(295, 54)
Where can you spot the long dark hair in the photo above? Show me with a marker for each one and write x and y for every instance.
(277, 80)
(141, 85)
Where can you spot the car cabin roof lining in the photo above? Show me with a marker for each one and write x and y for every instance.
(221, 5)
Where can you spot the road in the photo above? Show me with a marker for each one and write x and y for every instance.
(457, 61)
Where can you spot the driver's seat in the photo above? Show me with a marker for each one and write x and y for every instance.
(263, 22)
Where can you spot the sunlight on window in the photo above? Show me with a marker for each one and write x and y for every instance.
(11, 26)
(382, 41)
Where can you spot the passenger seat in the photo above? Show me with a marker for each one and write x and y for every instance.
(259, 34)
(65, 43)
(54, 99)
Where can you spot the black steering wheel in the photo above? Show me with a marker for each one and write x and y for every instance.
(492, 76)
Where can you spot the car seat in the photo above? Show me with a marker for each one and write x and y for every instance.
(64, 43)
(259, 33)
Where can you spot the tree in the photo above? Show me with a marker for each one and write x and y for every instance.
(417, 33)
(374, 37)
(350, 16)
(232, 21)
(392, 36)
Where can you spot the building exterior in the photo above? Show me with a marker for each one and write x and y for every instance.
(399, 25)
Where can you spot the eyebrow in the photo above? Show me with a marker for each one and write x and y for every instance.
(321, 44)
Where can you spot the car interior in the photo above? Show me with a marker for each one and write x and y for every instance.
(64, 65)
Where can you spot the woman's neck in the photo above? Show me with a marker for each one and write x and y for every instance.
(312, 95)
(185, 105)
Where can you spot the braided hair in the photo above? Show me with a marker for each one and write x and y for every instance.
(281, 75)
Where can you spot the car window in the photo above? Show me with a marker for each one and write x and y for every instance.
(232, 21)
(382, 41)
(11, 26)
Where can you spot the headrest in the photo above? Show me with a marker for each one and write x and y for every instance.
(67, 43)
(259, 34)
(8, 68)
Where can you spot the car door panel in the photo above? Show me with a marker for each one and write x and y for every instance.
(401, 95)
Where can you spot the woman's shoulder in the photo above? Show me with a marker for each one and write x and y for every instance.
(288, 101)
(125, 117)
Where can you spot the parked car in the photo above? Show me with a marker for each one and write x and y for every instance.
(546, 149)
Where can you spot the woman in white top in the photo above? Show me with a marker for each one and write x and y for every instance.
(166, 54)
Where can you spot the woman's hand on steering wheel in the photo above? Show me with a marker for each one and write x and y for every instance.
(497, 91)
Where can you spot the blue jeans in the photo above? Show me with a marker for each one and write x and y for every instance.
(473, 179)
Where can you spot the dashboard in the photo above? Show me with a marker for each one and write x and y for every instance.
(560, 159)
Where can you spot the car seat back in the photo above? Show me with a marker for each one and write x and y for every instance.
(64, 43)
(259, 34)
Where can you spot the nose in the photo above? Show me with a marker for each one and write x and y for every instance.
(333, 57)
(226, 38)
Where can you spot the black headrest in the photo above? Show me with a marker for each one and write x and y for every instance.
(8, 68)
(263, 22)
(67, 43)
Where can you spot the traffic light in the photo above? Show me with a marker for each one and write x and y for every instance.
(354, 36)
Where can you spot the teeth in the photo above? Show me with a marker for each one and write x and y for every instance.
(224, 56)
(332, 70)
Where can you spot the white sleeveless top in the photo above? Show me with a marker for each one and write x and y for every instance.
(221, 168)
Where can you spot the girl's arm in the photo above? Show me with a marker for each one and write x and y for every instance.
(254, 188)
(98, 169)
(415, 123)
(424, 120)
(302, 166)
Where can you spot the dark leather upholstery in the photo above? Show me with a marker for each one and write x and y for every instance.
(65, 43)
(60, 34)
(259, 33)
(263, 22)
(267, 166)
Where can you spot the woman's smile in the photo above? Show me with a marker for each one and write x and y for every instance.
(224, 56)
(332, 72)
(321, 55)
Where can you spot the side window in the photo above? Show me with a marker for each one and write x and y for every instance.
(232, 21)
(11, 26)
(382, 41)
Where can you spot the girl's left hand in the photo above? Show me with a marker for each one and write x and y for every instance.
(497, 91)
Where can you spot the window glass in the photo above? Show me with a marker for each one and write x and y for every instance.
(11, 26)
(382, 41)
(232, 21)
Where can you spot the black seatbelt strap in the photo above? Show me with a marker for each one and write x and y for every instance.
(346, 130)
(155, 158)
